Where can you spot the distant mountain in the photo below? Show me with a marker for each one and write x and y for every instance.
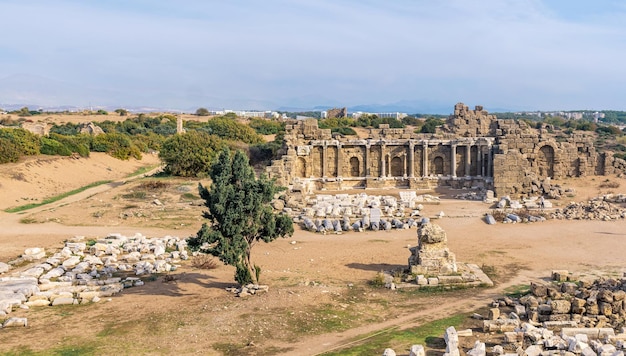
(406, 106)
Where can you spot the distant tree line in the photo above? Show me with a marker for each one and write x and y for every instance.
(345, 125)
(187, 154)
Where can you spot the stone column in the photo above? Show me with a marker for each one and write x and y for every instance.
(453, 168)
(468, 159)
(411, 159)
(324, 159)
(425, 161)
(367, 160)
(405, 164)
(383, 160)
(339, 160)
(489, 161)
(480, 169)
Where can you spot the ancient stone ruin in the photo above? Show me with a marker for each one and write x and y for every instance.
(431, 264)
(90, 128)
(472, 149)
(569, 316)
(431, 255)
(85, 273)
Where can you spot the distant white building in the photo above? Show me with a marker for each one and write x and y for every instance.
(382, 115)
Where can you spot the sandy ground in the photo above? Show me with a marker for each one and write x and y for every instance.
(315, 270)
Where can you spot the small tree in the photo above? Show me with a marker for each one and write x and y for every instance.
(121, 112)
(190, 154)
(239, 215)
(202, 112)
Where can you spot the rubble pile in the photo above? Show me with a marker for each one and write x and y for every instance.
(344, 212)
(600, 208)
(84, 272)
(567, 317)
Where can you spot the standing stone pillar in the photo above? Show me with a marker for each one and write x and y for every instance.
(324, 159)
(383, 160)
(411, 159)
(425, 161)
(405, 163)
(453, 168)
(480, 170)
(489, 161)
(339, 160)
(468, 159)
(367, 160)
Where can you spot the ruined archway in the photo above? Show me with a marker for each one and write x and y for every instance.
(397, 167)
(545, 161)
(301, 167)
(354, 167)
(438, 165)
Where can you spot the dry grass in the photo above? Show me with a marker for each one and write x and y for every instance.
(609, 184)
(204, 262)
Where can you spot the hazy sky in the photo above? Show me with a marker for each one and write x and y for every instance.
(517, 54)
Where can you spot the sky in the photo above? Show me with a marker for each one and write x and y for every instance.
(264, 55)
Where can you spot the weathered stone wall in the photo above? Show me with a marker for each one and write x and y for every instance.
(472, 149)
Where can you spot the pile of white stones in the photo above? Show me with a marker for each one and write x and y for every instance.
(358, 212)
(83, 273)
(600, 208)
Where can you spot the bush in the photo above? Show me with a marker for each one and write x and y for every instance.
(26, 141)
(117, 145)
(229, 129)
(52, 147)
(65, 129)
(202, 112)
(76, 144)
(348, 131)
(190, 154)
(266, 127)
(9, 151)
(430, 125)
(204, 262)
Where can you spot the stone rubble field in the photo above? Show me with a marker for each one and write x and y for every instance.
(357, 212)
(567, 317)
(84, 272)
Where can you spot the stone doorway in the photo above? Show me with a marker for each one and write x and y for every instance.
(438, 165)
(397, 167)
(301, 167)
(545, 161)
(354, 167)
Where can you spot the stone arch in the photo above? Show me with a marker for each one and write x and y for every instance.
(438, 165)
(301, 167)
(545, 161)
(397, 167)
(355, 165)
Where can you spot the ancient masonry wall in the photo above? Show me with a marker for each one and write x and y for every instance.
(472, 149)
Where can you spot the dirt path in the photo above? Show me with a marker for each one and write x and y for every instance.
(50, 234)
(320, 344)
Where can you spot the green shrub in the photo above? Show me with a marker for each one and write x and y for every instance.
(266, 127)
(229, 129)
(76, 144)
(65, 129)
(117, 145)
(348, 131)
(52, 147)
(26, 141)
(190, 154)
(9, 152)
